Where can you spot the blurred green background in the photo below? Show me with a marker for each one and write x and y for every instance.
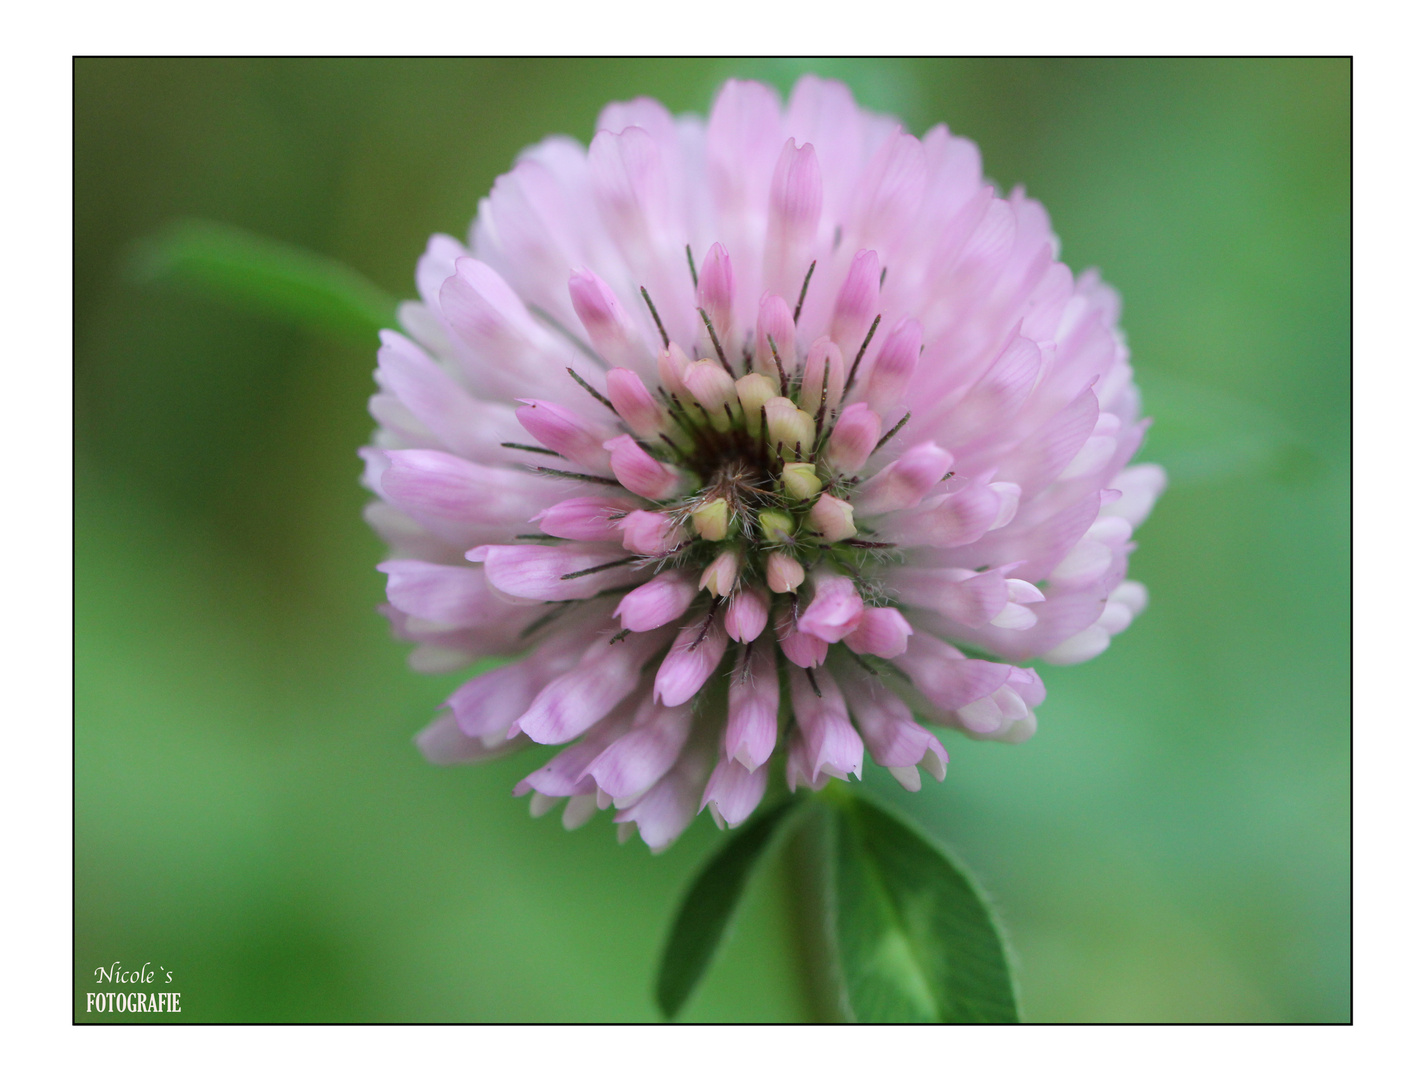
(1174, 843)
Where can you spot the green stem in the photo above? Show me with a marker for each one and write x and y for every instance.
(809, 891)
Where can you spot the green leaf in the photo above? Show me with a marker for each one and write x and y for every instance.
(915, 938)
(707, 909)
(265, 276)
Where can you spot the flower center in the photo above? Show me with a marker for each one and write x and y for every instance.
(763, 491)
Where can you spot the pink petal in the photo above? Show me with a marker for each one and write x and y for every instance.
(634, 404)
(672, 803)
(945, 676)
(852, 439)
(488, 704)
(753, 697)
(637, 760)
(588, 517)
(639, 472)
(804, 650)
(611, 331)
(562, 572)
(453, 595)
(892, 737)
(881, 631)
(648, 532)
(833, 747)
(465, 426)
(692, 658)
(458, 500)
(716, 292)
(566, 773)
(775, 323)
(747, 613)
(857, 302)
(832, 518)
(605, 675)
(794, 211)
(890, 191)
(443, 743)
(567, 433)
(835, 610)
(962, 595)
(944, 520)
(658, 602)
(903, 483)
(733, 792)
(895, 364)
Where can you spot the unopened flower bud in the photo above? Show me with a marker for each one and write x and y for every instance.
(713, 388)
(754, 391)
(721, 575)
(789, 427)
(800, 481)
(710, 520)
(777, 526)
(832, 519)
(747, 613)
(673, 362)
(784, 573)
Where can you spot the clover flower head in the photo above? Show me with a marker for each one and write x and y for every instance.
(740, 435)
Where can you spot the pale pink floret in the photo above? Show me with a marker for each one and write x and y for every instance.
(733, 792)
(648, 532)
(658, 602)
(836, 608)
(853, 438)
(881, 631)
(638, 471)
(833, 519)
(802, 649)
(821, 486)
(905, 482)
(588, 517)
(747, 614)
(567, 433)
(611, 331)
(690, 660)
(634, 404)
(753, 698)
(826, 743)
(775, 336)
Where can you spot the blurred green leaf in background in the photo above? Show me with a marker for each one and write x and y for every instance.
(250, 812)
